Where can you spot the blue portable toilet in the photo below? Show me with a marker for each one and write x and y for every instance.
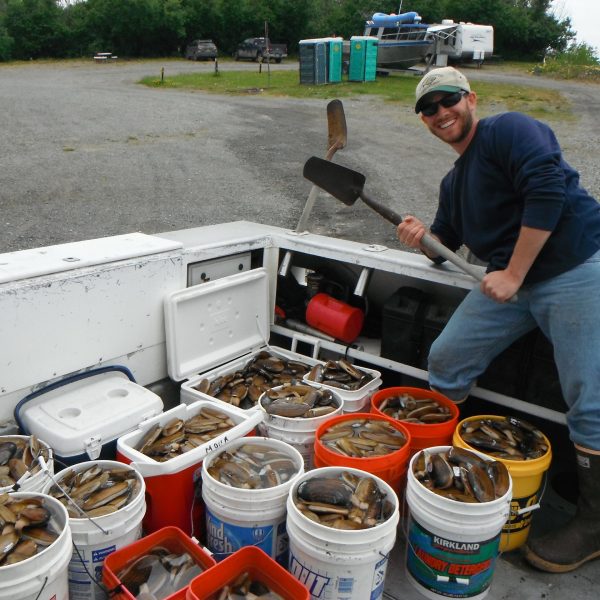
(313, 61)
(334, 59)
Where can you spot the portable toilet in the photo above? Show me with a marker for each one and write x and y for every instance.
(334, 59)
(363, 58)
(313, 61)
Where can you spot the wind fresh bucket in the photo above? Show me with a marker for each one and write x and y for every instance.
(43, 576)
(452, 546)
(340, 564)
(239, 516)
(94, 539)
(527, 477)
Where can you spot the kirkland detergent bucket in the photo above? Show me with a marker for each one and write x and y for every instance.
(452, 546)
(527, 477)
(340, 564)
(43, 576)
(95, 538)
(239, 515)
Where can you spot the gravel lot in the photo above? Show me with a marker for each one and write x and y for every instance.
(88, 152)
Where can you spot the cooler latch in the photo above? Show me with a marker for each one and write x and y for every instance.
(93, 447)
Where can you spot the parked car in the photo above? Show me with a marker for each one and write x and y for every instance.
(260, 48)
(201, 50)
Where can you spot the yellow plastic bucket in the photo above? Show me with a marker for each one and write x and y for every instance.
(527, 477)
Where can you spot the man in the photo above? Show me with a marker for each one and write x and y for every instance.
(518, 206)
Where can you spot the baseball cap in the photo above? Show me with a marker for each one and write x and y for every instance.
(446, 79)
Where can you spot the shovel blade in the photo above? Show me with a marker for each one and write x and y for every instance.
(342, 183)
(337, 134)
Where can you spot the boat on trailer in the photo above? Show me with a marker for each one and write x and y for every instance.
(71, 308)
(404, 40)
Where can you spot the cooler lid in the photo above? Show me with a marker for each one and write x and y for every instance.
(213, 323)
(84, 414)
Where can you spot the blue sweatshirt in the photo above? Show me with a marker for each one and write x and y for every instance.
(513, 174)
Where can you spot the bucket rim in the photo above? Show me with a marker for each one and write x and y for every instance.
(133, 505)
(349, 534)
(542, 462)
(412, 480)
(262, 441)
(423, 429)
(356, 461)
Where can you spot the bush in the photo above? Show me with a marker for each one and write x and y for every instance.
(579, 61)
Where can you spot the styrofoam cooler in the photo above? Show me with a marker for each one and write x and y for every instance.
(171, 497)
(354, 400)
(81, 417)
(216, 328)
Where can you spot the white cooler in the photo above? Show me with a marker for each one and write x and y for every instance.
(216, 328)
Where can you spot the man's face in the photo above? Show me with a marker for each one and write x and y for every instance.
(453, 125)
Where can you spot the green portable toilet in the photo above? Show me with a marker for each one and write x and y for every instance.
(313, 61)
(363, 58)
(334, 59)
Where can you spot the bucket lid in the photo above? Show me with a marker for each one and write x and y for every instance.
(215, 322)
(84, 414)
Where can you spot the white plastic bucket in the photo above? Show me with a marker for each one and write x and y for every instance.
(35, 482)
(45, 575)
(354, 400)
(297, 432)
(238, 517)
(95, 539)
(452, 546)
(339, 564)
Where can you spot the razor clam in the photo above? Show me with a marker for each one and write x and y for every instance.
(340, 374)
(19, 455)
(245, 587)
(245, 386)
(416, 410)
(363, 437)
(293, 400)
(461, 475)
(342, 502)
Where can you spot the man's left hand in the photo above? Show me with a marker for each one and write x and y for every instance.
(500, 286)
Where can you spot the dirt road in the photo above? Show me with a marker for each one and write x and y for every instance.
(87, 152)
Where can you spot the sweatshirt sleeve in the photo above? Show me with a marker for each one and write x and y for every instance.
(529, 152)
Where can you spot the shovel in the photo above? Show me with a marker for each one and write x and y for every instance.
(336, 140)
(347, 185)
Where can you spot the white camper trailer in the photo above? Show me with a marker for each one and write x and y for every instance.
(462, 41)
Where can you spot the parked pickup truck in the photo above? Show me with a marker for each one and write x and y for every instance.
(259, 48)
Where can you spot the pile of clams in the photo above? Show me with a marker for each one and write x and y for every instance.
(415, 410)
(339, 374)
(296, 400)
(253, 466)
(363, 437)
(508, 438)
(245, 587)
(19, 455)
(163, 442)
(96, 491)
(344, 501)
(461, 475)
(25, 528)
(244, 387)
(159, 573)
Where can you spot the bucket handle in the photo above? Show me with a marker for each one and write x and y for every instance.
(61, 383)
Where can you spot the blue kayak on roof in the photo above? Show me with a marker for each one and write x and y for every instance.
(384, 20)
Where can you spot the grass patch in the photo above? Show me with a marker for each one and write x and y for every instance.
(398, 88)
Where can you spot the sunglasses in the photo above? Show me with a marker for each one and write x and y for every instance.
(447, 101)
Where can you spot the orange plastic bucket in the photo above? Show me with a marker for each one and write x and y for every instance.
(527, 476)
(171, 538)
(258, 564)
(423, 435)
(389, 467)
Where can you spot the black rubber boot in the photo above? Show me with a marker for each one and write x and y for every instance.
(578, 541)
